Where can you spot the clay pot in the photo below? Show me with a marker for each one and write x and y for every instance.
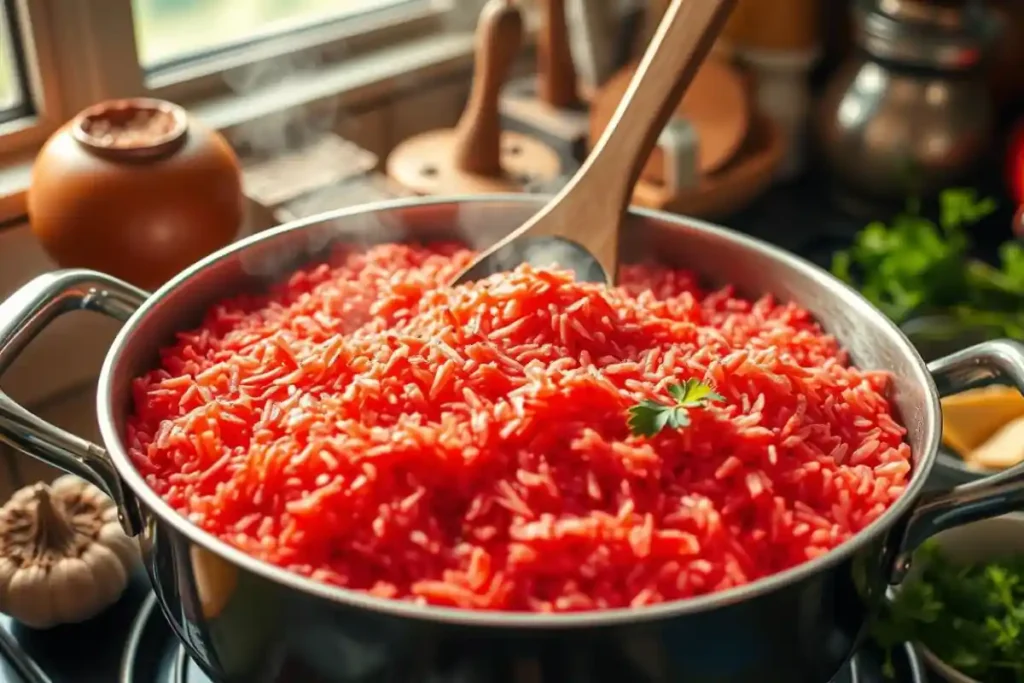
(135, 188)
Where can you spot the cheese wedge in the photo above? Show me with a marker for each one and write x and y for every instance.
(1002, 450)
(971, 418)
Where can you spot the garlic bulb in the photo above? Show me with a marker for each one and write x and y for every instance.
(63, 555)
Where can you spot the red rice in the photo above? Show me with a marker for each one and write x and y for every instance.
(365, 426)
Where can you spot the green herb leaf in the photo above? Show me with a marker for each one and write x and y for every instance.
(914, 267)
(960, 208)
(693, 393)
(970, 616)
(648, 418)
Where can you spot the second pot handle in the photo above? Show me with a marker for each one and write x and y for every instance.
(22, 316)
(991, 496)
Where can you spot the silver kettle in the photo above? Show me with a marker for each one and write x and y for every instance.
(910, 112)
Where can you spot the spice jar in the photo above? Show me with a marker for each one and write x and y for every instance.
(135, 188)
(911, 113)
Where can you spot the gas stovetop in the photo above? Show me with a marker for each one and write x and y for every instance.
(131, 643)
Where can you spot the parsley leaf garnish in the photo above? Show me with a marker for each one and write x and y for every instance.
(647, 418)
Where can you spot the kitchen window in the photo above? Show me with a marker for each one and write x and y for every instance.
(223, 59)
(169, 32)
(14, 102)
(190, 49)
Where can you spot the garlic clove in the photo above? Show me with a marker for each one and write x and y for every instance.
(112, 536)
(69, 484)
(108, 574)
(63, 555)
(30, 597)
(8, 568)
(73, 589)
(1002, 450)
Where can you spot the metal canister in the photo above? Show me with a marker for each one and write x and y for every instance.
(910, 112)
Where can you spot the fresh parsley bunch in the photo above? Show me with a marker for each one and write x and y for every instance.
(969, 616)
(915, 267)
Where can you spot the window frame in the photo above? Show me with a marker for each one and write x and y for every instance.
(90, 55)
(35, 66)
(323, 44)
(23, 105)
(102, 43)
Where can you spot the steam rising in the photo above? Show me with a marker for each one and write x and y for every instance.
(293, 128)
(289, 129)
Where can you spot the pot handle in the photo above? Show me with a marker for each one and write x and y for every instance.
(22, 316)
(991, 496)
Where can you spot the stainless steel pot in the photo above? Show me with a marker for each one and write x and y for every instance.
(244, 620)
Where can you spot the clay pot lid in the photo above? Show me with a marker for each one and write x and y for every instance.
(131, 129)
(717, 104)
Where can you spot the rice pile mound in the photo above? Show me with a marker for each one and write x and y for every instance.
(367, 426)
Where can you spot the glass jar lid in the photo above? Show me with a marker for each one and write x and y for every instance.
(938, 34)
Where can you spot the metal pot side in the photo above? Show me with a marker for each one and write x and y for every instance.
(245, 620)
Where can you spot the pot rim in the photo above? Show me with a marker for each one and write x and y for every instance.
(464, 617)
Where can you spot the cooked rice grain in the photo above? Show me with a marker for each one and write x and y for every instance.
(369, 427)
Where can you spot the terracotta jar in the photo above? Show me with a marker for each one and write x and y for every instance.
(137, 189)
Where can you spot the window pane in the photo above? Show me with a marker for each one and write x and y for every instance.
(10, 86)
(173, 30)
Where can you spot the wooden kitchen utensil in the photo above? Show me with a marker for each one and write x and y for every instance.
(547, 105)
(653, 14)
(477, 156)
(579, 228)
(556, 73)
(781, 25)
(717, 106)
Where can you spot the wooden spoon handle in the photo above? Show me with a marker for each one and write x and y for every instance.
(499, 35)
(589, 210)
(653, 15)
(684, 38)
(556, 73)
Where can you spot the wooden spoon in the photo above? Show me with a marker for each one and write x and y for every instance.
(579, 228)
